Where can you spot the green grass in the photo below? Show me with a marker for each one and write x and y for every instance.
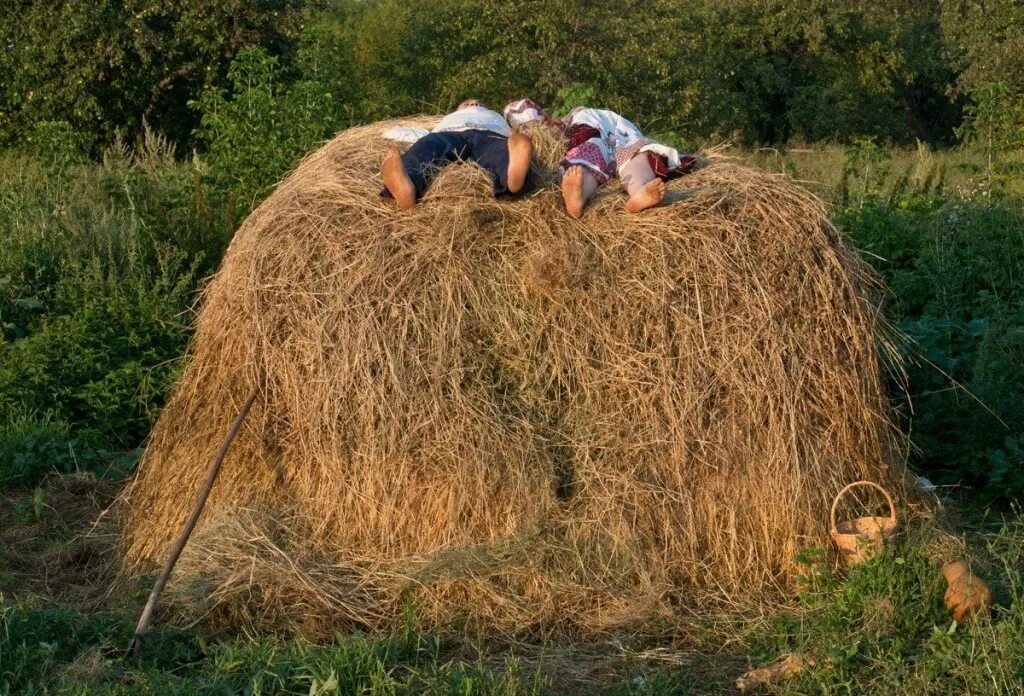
(882, 629)
(101, 262)
(56, 650)
(99, 265)
(879, 628)
(850, 174)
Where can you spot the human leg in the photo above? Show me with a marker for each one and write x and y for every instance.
(586, 166)
(578, 186)
(396, 180)
(407, 176)
(519, 148)
(507, 160)
(642, 184)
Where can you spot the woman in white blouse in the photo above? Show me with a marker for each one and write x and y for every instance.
(603, 144)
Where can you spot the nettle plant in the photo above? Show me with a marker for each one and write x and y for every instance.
(259, 129)
(994, 122)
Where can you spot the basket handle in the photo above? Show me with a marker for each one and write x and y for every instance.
(835, 503)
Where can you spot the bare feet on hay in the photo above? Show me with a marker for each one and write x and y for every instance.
(650, 195)
(572, 191)
(519, 147)
(396, 180)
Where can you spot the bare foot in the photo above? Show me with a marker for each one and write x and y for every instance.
(519, 147)
(572, 191)
(650, 195)
(397, 180)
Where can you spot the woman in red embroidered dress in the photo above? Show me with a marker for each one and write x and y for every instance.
(602, 144)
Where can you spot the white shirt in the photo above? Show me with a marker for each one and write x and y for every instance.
(474, 118)
(617, 131)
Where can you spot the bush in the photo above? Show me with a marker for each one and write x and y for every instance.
(108, 66)
(58, 144)
(762, 71)
(995, 124)
(98, 268)
(954, 271)
(33, 444)
(259, 131)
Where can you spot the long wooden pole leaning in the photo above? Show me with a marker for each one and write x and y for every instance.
(186, 532)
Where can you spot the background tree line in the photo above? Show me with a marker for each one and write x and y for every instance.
(757, 71)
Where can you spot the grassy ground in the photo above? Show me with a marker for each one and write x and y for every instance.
(850, 174)
(100, 262)
(877, 629)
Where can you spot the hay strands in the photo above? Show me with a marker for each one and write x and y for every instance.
(512, 419)
(186, 532)
(776, 673)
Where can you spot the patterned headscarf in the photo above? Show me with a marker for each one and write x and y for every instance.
(523, 111)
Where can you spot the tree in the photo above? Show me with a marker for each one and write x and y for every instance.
(986, 42)
(107, 65)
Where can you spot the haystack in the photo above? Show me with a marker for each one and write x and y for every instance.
(510, 419)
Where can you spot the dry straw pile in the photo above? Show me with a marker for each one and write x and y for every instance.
(511, 419)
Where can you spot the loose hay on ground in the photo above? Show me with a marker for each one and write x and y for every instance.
(513, 419)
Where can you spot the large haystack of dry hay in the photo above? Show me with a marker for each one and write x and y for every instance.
(511, 419)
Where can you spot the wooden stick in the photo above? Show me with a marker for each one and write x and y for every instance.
(186, 532)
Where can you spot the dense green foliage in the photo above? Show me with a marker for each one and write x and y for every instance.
(757, 70)
(951, 253)
(986, 42)
(955, 270)
(98, 267)
(259, 129)
(108, 65)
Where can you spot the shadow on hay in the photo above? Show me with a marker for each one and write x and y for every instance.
(511, 419)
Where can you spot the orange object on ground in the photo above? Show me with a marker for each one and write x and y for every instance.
(968, 597)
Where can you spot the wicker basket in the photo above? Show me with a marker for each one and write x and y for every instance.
(861, 537)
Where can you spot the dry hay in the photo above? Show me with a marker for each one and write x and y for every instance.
(510, 419)
(78, 571)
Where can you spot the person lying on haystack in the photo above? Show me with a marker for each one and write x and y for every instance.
(601, 144)
(471, 133)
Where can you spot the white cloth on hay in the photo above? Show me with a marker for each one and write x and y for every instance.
(619, 133)
(474, 118)
(670, 154)
(469, 118)
(404, 134)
